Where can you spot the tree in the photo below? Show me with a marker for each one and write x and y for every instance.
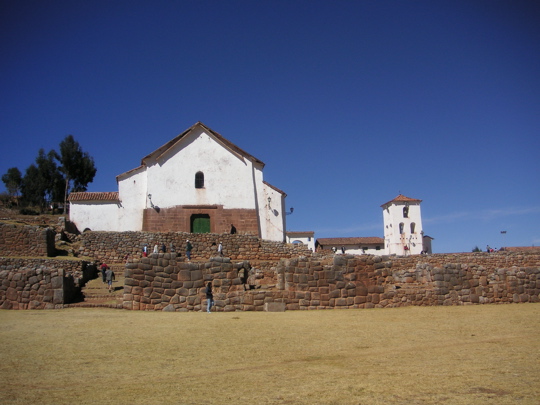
(13, 181)
(33, 187)
(43, 182)
(77, 166)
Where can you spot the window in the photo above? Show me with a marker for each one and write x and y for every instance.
(199, 180)
(401, 226)
(406, 211)
(413, 225)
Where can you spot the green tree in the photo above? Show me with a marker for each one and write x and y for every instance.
(77, 166)
(13, 181)
(33, 187)
(43, 182)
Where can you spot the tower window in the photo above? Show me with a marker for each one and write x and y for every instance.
(401, 227)
(413, 226)
(199, 180)
(406, 211)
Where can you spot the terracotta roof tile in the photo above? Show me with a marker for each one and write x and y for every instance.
(291, 233)
(94, 196)
(370, 240)
(402, 198)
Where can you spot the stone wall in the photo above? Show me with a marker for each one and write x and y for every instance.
(40, 283)
(161, 282)
(113, 247)
(175, 219)
(25, 240)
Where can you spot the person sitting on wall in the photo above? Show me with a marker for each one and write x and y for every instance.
(233, 229)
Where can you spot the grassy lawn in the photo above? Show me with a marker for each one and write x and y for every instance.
(417, 355)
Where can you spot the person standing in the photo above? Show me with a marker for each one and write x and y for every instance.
(233, 229)
(103, 269)
(109, 274)
(220, 249)
(209, 297)
(189, 248)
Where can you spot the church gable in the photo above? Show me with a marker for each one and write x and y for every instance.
(190, 135)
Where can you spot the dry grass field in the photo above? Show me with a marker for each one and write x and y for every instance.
(417, 355)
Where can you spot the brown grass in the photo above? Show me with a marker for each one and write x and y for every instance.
(416, 355)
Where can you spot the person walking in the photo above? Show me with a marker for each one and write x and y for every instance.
(220, 249)
(109, 274)
(189, 248)
(209, 297)
(103, 269)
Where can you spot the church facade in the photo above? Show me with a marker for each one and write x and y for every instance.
(198, 182)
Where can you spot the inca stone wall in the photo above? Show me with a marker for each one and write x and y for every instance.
(39, 283)
(162, 282)
(17, 240)
(113, 247)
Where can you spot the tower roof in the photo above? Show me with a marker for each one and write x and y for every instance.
(402, 198)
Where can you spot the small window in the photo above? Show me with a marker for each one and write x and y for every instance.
(406, 211)
(199, 180)
(401, 227)
(413, 226)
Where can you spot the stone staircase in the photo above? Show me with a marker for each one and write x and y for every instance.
(96, 293)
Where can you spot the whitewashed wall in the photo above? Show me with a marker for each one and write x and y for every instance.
(228, 177)
(308, 240)
(133, 196)
(394, 241)
(272, 214)
(95, 216)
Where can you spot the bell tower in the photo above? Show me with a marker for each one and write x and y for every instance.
(403, 233)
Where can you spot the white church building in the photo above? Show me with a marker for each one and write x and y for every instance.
(198, 182)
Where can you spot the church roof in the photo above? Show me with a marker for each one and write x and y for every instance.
(369, 240)
(402, 198)
(299, 233)
(275, 188)
(94, 196)
(163, 149)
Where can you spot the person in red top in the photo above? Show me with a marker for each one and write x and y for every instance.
(103, 269)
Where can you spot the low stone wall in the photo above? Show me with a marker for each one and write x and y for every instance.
(113, 247)
(161, 282)
(26, 240)
(40, 283)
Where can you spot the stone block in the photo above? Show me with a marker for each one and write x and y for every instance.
(275, 307)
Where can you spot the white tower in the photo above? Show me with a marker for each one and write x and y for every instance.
(402, 226)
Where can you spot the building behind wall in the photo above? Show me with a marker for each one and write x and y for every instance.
(198, 182)
(403, 233)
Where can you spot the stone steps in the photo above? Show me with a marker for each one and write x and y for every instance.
(96, 293)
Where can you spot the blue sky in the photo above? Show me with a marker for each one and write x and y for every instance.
(349, 103)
